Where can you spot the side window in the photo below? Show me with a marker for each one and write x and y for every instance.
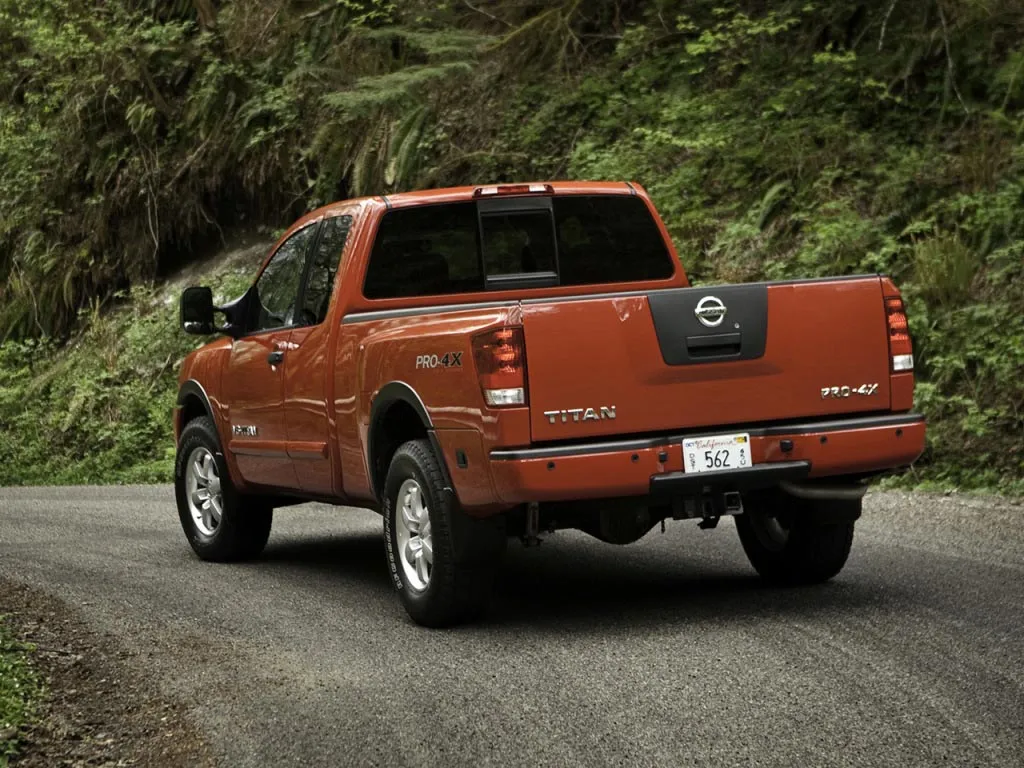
(425, 251)
(326, 260)
(277, 289)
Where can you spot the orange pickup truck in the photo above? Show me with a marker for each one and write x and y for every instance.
(502, 361)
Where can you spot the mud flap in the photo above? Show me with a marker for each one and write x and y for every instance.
(476, 541)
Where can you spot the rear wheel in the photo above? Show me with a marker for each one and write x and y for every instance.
(442, 563)
(795, 541)
(220, 523)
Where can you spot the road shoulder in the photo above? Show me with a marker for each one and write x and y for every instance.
(99, 707)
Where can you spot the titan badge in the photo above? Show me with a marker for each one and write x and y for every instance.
(581, 414)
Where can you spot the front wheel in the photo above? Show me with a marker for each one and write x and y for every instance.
(441, 562)
(220, 524)
(790, 541)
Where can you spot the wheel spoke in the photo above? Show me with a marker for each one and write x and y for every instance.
(412, 549)
(207, 516)
(422, 567)
(427, 544)
(409, 516)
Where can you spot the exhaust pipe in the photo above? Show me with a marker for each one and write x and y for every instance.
(824, 492)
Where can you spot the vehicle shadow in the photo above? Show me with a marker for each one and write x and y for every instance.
(350, 559)
(583, 590)
(583, 585)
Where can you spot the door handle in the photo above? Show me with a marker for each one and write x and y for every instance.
(276, 357)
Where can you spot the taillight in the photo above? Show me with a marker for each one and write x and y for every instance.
(500, 358)
(899, 335)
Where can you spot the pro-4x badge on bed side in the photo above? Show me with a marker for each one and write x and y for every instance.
(448, 360)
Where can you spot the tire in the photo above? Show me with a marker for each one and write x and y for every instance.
(241, 530)
(441, 577)
(787, 541)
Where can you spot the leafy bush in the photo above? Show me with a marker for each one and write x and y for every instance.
(98, 409)
(20, 689)
(797, 139)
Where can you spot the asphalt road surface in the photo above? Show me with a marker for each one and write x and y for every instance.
(666, 652)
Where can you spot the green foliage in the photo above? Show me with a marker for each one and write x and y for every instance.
(98, 409)
(829, 138)
(131, 130)
(20, 690)
(796, 139)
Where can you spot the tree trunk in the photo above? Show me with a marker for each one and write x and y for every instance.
(207, 13)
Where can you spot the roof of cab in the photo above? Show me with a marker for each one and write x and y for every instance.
(459, 194)
(462, 194)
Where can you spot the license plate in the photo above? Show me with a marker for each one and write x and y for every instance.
(716, 454)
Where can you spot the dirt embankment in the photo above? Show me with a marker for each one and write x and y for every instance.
(99, 710)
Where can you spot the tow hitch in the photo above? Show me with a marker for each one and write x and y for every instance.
(708, 508)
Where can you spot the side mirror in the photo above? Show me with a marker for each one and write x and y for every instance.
(197, 311)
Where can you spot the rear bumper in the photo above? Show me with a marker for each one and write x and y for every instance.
(757, 476)
(655, 465)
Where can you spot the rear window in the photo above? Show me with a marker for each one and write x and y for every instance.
(604, 239)
(465, 247)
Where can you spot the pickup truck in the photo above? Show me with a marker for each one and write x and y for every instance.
(486, 363)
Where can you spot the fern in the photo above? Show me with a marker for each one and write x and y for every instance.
(379, 91)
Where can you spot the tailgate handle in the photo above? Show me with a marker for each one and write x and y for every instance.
(714, 345)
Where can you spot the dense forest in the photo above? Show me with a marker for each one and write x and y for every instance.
(792, 138)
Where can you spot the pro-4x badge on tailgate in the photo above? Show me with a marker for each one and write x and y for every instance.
(839, 392)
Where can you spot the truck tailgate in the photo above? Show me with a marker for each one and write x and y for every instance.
(671, 360)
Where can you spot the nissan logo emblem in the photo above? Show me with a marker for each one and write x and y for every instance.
(710, 311)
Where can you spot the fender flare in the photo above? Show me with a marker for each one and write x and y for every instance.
(193, 388)
(188, 390)
(388, 395)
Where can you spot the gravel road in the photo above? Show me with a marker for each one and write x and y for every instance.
(667, 652)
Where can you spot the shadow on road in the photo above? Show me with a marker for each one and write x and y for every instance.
(347, 558)
(586, 585)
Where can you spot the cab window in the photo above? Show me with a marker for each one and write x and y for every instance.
(324, 268)
(277, 290)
